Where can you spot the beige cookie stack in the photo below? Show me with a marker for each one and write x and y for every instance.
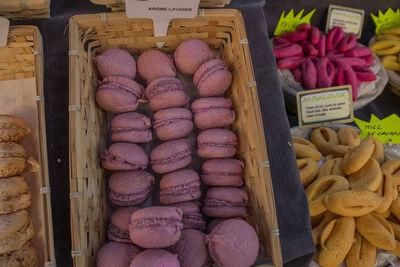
(353, 197)
(16, 227)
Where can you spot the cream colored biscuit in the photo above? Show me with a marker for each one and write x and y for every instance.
(329, 157)
(308, 170)
(393, 167)
(320, 188)
(303, 141)
(369, 177)
(386, 214)
(395, 208)
(376, 230)
(12, 129)
(12, 159)
(352, 202)
(331, 167)
(348, 136)
(305, 151)
(324, 138)
(336, 241)
(317, 231)
(387, 190)
(14, 194)
(341, 150)
(23, 257)
(362, 253)
(379, 151)
(358, 156)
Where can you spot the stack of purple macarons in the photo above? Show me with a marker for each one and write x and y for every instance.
(172, 235)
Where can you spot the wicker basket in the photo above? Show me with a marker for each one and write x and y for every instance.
(90, 34)
(119, 5)
(20, 59)
(27, 9)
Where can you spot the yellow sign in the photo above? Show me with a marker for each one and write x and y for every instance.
(325, 106)
(290, 22)
(386, 20)
(349, 19)
(386, 130)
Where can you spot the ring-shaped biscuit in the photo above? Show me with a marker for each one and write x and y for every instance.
(331, 167)
(341, 150)
(358, 156)
(379, 151)
(369, 177)
(393, 167)
(320, 188)
(396, 231)
(317, 231)
(308, 170)
(303, 141)
(324, 138)
(387, 190)
(361, 253)
(306, 151)
(395, 208)
(329, 157)
(348, 136)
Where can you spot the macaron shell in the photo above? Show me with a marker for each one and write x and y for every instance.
(216, 143)
(180, 186)
(116, 255)
(171, 155)
(233, 243)
(153, 64)
(190, 55)
(116, 62)
(124, 156)
(155, 258)
(225, 202)
(222, 172)
(118, 228)
(192, 217)
(173, 123)
(131, 127)
(213, 112)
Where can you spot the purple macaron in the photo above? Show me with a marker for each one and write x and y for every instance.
(233, 243)
(131, 127)
(173, 123)
(118, 228)
(154, 64)
(171, 156)
(191, 249)
(225, 202)
(192, 217)
(155, 258)
(190, 55)
(116, 62)
(166, 92)
(156, 227)
(118, 94)
(124, 157)
(116, 255)
(216, 143)
(222, 172)
(212, 112)
(130, 188)
(179, 186)
(212, 78)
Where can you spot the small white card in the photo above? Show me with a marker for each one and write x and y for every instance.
(4, 27)
(349, 19)
(161, 12)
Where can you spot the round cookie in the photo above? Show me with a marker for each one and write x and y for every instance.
(12, 129)
(23, 257)
(12, 159)
(14, 194)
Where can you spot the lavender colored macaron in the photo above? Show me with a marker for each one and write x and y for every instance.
(173, 123)
(166, 92)
(190, 55)
(118, 94)
(116, 62)
(213, 78)
(154, 64)
(216, 143)
(233, 243)
(131, 127)
(118, 228)
(156, 227)
(179, 186)
(225, 202)
(191, 249)
(124, 157)
(192, 217)
(116, 255)
(155, 258)
(171, 156)
(212, 112)
(222, 172)
(130, 188)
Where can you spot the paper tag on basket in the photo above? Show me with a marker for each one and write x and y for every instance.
(349, 19)
(290, 21)
(325, 106)
(385, 130)
(161, 12)
(4, 28)
(385, 20)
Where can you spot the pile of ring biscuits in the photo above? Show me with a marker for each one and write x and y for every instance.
(352, 197)
(387, 47)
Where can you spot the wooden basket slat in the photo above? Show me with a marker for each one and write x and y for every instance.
(27, 9)
(220, 29)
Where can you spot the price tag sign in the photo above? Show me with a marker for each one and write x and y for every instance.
(4, 27)
(385, 130)
(289, 22)
(326, 106)
(386, 20)
(161, 12)
(349, 19)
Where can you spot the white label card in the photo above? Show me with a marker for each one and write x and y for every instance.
(161, 12)
(4, 27)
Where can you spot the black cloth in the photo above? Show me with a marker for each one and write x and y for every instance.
(291, 205)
